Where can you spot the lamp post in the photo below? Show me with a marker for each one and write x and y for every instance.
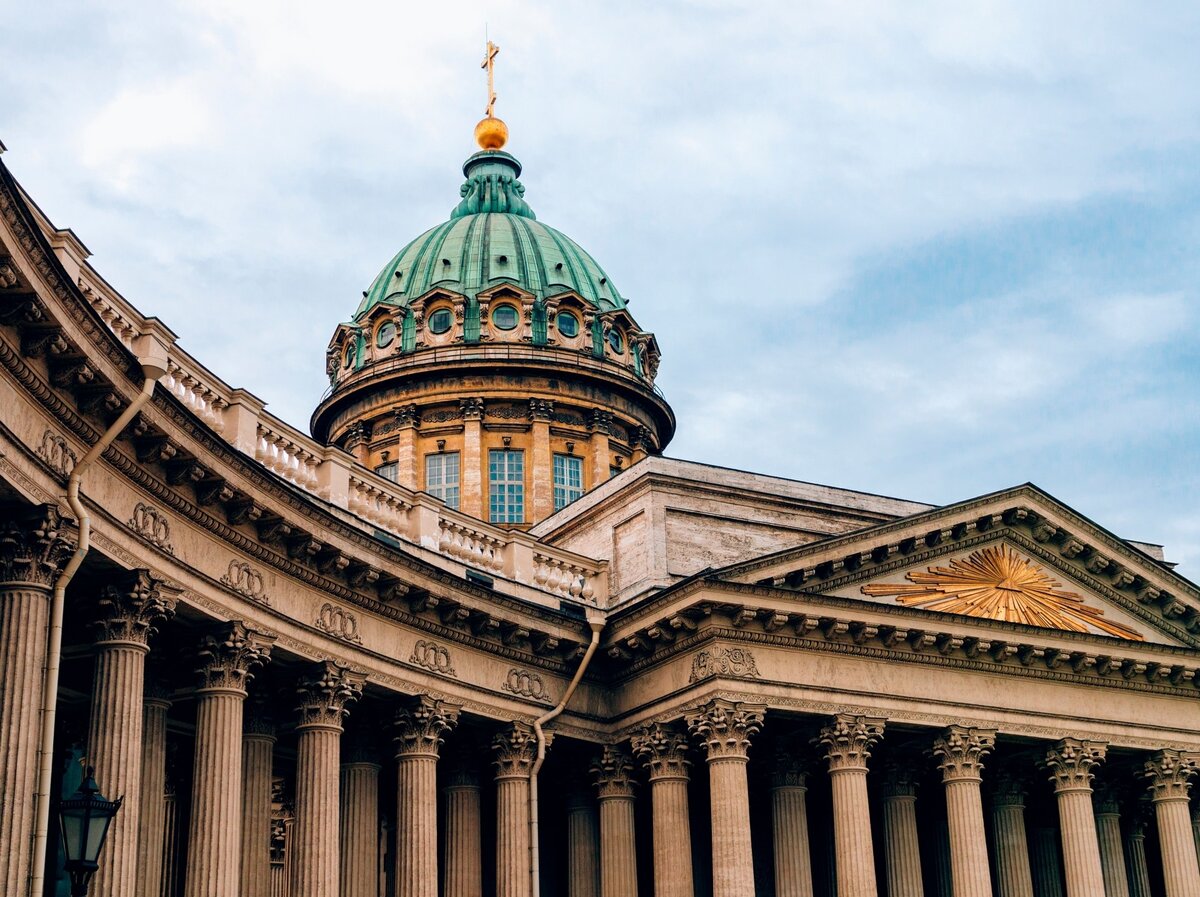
(84, 820)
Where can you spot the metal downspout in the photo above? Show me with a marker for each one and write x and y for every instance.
(596, 620)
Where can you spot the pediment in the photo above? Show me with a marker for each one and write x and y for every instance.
(1014, 557)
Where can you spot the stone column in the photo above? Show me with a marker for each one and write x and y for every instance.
(258, 751)
(583, 844)
(1014, 876)
(1108, 833)
(902, 848)
(473, 495)
(1135, 852)
(1045, 862)
(961, 751)
(612, 772)
(663, 749)
(1070, 764)
(128, 614)
(848, 741)
(600, 426)
(360, 815)
(789, 818)
(325, 695)
(228, 656)
(515, 748)
(420, 725)
(1169, 774)
(724, 729)
(542, 463)
(1196, 827)
(171, 828)
(464, 841)
(152, 816)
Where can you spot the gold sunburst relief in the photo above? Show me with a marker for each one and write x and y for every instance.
(998, 584)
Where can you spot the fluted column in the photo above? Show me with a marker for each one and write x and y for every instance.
(724, 729)
(420, 725)
(152, 817)
(127, 615)
(34, 543)
(171, 830)
(789, 820)
(1196, 827)
(1014, 875)
(1045, 848)
(258, 751)
(1135, 852)
(515, 748)
(960, 750)
(1070, 764)
(663, 749)
(1169, 774)
(229, 655)
(360, 813)
(847, 742)
(612, 772)
(464, 840)
(902, 850)
(326, 693)
(1108, 833)
(583, 844)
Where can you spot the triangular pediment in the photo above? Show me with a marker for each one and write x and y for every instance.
(1012, 558)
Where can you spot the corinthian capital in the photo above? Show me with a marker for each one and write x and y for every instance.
(725, 728)
(326, 693)
(229, 654)
(848, 740)
(1169, 774)
(612, 772)
(1071, 761)
(516, 749)
(420, 724)
(663, 749)
(34, 544)
(130, 611)
(790, 763)
(961, 751)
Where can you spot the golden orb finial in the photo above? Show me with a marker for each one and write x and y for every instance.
(491, 133)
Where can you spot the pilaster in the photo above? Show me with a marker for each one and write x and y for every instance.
(472, 496)
(542, 466)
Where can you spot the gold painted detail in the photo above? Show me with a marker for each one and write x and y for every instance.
(998, 584)
(491, 133)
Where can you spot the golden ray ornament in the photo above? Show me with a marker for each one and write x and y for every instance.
(998, 584)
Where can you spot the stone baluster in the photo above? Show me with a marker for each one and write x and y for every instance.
(360, 813)
(902, 851)
(1014, 875)
(325, 692)
(1135, 850)
(515, 749)
(1108, 833)
(960, 750)
(1169, 774)
(612, 772)
(847, 742)
(464, 840)
(229, 654)
(258, 753)
(127, 616)
(663, 749)
(583, 843)
(1070, 764)
(152, 816)
(724, 729)
(419, 727)
(34, 544)
(789, 819)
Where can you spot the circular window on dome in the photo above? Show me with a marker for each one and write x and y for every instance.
(615, 340)
(567, 324)
(385, 334)
(440, 321)
(504, 317)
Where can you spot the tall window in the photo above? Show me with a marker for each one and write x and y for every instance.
(568, 480)
(441, 477)
(506, 477)
(389, 470)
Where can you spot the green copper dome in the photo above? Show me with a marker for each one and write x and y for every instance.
(492, 238)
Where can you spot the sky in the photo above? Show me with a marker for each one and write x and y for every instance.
(928, 250)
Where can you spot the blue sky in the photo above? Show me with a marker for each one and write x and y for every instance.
(923, 249)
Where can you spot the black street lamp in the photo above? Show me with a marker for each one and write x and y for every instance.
(84, 820)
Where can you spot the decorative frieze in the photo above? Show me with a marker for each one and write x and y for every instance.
(612, 772)
(848, 740)
(525, 683)
(246, 581)
(421, 723)
(130, 612)
(663, 749)
(433, 657)
(339, 623)
(1071, 761)
(515, 749)
(326, 693)
(34, 544)
(737, 663)
(153, 526)
(1169, 774)
(229, 654)
(59, 457)
(961, 750)
(724, 728)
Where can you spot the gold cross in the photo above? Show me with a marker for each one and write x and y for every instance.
(489, 63)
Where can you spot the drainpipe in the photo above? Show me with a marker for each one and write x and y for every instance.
(595, 619)
(152, 356)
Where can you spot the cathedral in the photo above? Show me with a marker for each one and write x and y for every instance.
(474, 633)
